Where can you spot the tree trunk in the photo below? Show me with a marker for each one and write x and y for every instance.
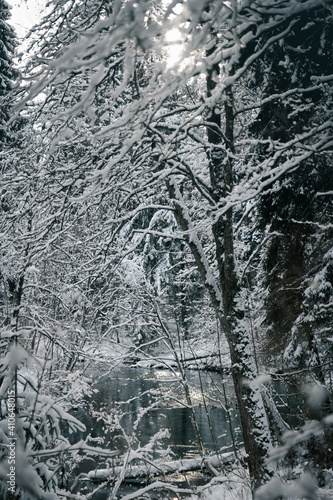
(225, 293)
(251, 409)
(253, 417)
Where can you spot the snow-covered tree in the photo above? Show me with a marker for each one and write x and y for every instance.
(117, 131)
(295, 105)
(8, 72)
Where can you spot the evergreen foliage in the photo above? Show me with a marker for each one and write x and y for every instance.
(8, 73)
(157, 206)
(292, 208)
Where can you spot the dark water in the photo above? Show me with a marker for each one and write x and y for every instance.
(133, 405)
(147, 401)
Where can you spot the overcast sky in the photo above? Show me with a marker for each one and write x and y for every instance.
(25, 13)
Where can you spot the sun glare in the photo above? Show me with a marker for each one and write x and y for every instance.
(174, 48)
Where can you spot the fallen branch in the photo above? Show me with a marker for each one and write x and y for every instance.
(161, 468)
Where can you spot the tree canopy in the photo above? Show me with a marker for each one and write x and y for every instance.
(151, 199)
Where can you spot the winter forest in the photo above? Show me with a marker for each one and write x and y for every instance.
(166, 266)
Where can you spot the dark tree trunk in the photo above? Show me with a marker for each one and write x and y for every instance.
(253, 417)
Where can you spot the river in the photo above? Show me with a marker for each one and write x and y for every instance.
(147, 410)
(138, 404)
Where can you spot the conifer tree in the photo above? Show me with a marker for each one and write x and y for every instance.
(293, 210)
(8, 73)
